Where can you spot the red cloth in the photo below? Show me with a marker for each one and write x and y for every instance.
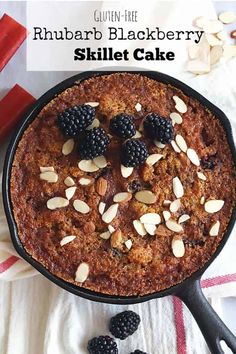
(12, 35)
(12, 106)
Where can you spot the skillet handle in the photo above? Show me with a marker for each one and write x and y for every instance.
(211, 326)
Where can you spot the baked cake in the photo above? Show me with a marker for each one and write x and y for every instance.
(123, 185)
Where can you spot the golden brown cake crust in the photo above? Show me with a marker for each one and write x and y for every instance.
(150, 265)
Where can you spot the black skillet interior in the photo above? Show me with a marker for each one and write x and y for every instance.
(185, 290)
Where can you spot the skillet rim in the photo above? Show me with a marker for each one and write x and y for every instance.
(27, 120)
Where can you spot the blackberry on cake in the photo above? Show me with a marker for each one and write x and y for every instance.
(102, 345)
(134, 153)
(73, 120)
(137, 351)
(124, 324)
(93, 143)
(123, 126)
(159, 128)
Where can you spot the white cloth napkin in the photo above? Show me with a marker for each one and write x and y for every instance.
(38, 317)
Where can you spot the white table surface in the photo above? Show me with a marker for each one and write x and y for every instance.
(10, 75)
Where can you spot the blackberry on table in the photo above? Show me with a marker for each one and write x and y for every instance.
(124, 324)
(134, 153)
(123, 126)
(137, 351)
(102, 345)
(93, 143)
(75, 119)
(159, 128)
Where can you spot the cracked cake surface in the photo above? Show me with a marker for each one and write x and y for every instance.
(124, 230)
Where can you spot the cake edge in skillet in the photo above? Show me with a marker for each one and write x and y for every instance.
(151, 264)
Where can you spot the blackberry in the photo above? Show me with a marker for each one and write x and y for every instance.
(159, 128)
(134, 153)
(137, 351)
(124, 324)
(102, 345)
(123, 126)
(75, 119)
(93, 143)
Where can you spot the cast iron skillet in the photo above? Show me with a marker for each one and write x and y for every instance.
(213, 329)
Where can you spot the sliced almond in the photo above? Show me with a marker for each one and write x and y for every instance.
(70, 192)
(166, 202)
(137, 135)
(178, 248)
(87, 166)
(222, 36)
(151, 229)
(68, 147)
(201, 176)
(175, 146)
(46, 169)
(128, 244)
(193, 51)
(69, 182)
(227, 17)
(111, 229)
(101, 207)
(105, 235)
(84, 181)
(138, 107)
(214, 205)
(139, 227)
(198, 66)
(180, 106)
(82, 272)
(214, 230)
(175, 205)
(233, 34)
(92, 104)
(166, 215)
(153, 158)
(126, 171)
(202, 200)
(183, 218)
(176, 117)
(101, 186)
(116, 239)
(200, 21)
(181, 143)
(100, 161)
(178, 188)
(146, 197)
(81, 206)
(173, 226)
(159, 144)
(151, 218)
(95, 124)
(193, 157)
(57, 202)
(51, 177)
(215, 54)
(66, 240)
(213, 26)
(213, 40)
(122, 197)
(110, 214)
